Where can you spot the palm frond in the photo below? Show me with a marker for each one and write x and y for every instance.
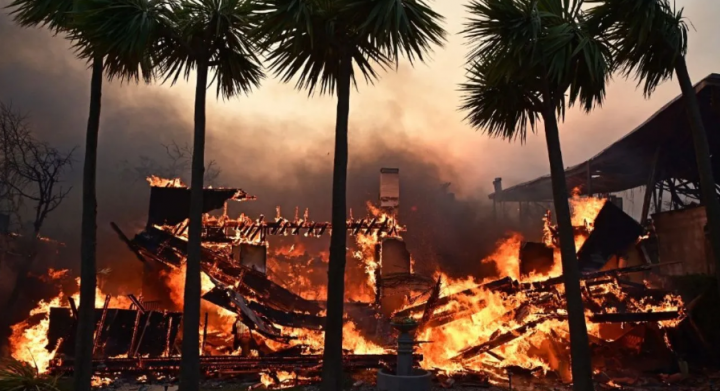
(306, 40)
(505, 31)
(217, 32)
(124, 32)
(551, 40)
(408, 27)
(648, 37)
(19, 376)
(53, 14)
(500, 107)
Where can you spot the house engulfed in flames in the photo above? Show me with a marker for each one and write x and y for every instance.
(255, 323)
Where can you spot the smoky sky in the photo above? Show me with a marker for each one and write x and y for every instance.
(43, 79)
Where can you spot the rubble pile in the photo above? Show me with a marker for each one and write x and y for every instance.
(472, 329)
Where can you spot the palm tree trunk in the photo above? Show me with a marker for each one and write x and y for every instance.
(332, 374)
(190, 363)
(88, 239)
(579, 343)
(702, 157)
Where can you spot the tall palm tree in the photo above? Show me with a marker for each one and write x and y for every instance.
(650, 41)
(209, 36)
(529, 60)
(113, 37)
(326, 44)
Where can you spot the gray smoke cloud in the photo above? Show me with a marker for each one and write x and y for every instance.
(42, 78)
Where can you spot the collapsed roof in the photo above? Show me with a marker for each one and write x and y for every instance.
(171, 205)
(628, 162)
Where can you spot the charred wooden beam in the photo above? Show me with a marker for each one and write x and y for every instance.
(503, 284)
(129, 243)
(136, 330)
(142, 334)
(430, 304)
(168, 339)
(101, 326)
(231, 300)
(73, 307)
(250, 229)
(205, 325)
(635, 317)
(137, 303)
(509, 285)
(214, 363)
(501, 339)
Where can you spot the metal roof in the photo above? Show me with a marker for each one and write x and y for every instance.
(627, 163)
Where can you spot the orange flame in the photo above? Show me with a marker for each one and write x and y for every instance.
(28, 342)
(156, 181)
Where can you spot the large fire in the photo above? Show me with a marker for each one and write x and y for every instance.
(476, 314)
(29, 338)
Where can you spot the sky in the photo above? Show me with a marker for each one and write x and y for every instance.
(278, 134)
(421, 104)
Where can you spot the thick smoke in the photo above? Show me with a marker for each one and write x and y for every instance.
(42, 78)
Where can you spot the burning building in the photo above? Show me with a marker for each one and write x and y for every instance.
(263, 314)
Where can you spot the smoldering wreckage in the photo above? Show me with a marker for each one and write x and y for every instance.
(261, 319)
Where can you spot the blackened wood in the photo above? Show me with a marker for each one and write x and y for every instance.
(142, 334)
(170, 365)
(501, 339)
(171, 205)
(101, 326)
(634, 317)
(430, 305)
(73, 307)
(614, 231)
(202, 349)
(136, 303)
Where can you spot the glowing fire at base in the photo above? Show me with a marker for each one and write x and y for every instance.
(29, 339)
(473, 314)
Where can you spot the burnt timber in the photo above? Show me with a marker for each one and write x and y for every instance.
(226, 363)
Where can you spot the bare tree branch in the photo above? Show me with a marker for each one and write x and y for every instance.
(175, 164)
(30, 169)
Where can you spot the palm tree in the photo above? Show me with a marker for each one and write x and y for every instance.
(326, 44)
(113, 37)
(205, 35)
(650, 41)
(529, 59)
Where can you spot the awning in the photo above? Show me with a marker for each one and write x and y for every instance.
(628, 162)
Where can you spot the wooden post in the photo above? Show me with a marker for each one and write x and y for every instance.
(142, 334)
(133, 340)
(167, 339)
(202, 349)
(650, 187)
(98, 333)
(73, 308)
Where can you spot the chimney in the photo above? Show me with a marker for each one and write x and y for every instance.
(390, 190)
(497, 184)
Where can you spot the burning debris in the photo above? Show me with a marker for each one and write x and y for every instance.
(256, 322)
